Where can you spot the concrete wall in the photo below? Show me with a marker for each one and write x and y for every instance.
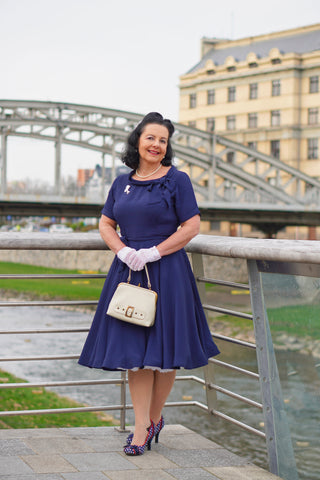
(215, 267)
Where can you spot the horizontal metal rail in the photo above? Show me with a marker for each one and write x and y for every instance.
(49, 303)
(232, 420)
(212, 281)
(40, 357)
(98, 408)
(191, 377)
(226, 311)
(242, 343)
(71, 383)
(233, 367)
(64, 383)
(236, 396)
(50, 276)
(45, 330)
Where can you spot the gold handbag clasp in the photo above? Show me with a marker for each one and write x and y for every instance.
(129, 311)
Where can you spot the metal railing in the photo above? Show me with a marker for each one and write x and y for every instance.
(259, 255)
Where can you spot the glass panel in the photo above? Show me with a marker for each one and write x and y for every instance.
(293, 308)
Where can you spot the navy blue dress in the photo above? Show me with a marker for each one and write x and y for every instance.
(148, 212)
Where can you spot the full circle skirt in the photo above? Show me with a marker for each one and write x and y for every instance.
(179, 338)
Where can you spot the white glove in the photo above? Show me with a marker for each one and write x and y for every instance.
(143, 256)
(126, 255)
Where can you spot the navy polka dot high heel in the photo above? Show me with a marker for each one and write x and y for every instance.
(134, 450)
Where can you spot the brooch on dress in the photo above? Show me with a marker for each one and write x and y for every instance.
(127, 189)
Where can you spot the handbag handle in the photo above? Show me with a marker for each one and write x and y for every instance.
(148, 278)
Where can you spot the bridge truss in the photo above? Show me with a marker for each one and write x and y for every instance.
(225, 174)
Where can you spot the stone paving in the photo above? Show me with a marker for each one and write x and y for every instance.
(96, 454)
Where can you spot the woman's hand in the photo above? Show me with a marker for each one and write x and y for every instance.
(143, 256)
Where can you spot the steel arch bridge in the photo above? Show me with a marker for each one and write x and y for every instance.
(225, 175)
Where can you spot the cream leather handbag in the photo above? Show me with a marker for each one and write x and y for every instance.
(134, 304)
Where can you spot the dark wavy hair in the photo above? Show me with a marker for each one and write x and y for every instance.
(130, 156)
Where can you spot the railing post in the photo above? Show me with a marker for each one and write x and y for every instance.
(123, 401)
(198, 271)
(3, 162)
(278, 438)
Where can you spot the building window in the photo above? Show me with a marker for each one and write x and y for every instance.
(231, 69)
(253, 65)
(192, 123)
(210, 124)
(192, 100)
(253, 91)
(275, 148)
(231, 94)
(275, 118)
(313, 84)
(312, 116)
(252, 120)
(312, 148)
(211, 97)
(276, 88)
(275, 61)
(253, 145)
(231, 122)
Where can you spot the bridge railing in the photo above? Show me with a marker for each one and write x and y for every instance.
(284, 258)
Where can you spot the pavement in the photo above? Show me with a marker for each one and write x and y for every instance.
(95, 453)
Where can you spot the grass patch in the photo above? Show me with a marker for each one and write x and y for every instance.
(38, 399)
(296, 320)
(68, 289)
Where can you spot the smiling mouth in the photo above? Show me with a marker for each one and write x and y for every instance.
(153, 152)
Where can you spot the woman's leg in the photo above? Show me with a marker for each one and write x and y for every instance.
(162, 385)
(141, 391)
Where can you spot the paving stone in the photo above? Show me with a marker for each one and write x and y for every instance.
(244, 472)
(176, 430)
(32, 432)
(150, 460)
(84, 476)
(50, 476)
(186, 442)
(14, 446)
(191, 474)
(13, 466)
(48, 463)
(201, 458)
(86, 462)
(140, 475)
(57, 445)
(105, 444)
(92, 431)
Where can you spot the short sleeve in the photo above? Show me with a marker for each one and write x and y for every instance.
(185, 200)
(108, 206)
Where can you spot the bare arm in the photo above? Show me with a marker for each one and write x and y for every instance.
(175, 242)
(181, 237)
(107, 228)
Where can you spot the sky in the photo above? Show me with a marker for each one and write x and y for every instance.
(120, 54)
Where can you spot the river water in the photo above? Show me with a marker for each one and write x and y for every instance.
(300, 390)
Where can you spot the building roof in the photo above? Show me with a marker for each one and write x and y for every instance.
(295, 43)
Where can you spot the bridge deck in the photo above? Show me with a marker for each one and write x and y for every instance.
(96, 454)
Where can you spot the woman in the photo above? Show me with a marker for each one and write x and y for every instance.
(156, 211)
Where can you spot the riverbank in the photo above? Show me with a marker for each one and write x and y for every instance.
(39, 398)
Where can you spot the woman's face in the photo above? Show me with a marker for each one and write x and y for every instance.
(153, 143)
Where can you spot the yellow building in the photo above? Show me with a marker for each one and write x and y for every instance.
(260, 91)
